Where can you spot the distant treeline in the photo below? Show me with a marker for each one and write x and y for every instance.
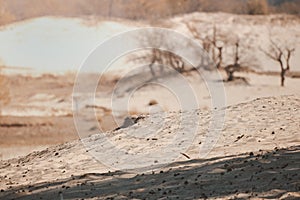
(15, 10)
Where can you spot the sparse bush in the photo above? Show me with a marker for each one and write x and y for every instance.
(158, 57)
(290, 8)
(231, 6)
(257, 7)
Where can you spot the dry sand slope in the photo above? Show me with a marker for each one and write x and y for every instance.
(257, 155)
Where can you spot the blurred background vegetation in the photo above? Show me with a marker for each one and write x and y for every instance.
(4, 90)
(15, 10)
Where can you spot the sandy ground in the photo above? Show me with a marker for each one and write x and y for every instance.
(40, 112)
(257, 156)
(37, 116)
(26, 134)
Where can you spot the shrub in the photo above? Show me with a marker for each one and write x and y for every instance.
(257, 7)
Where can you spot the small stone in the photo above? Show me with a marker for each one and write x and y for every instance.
(151, 192)
(176, 174)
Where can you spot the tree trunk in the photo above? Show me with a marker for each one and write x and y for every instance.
(152, 70)
(214, 42)
(282, 74)
(237, 58)
(230, 76)
(220, 57)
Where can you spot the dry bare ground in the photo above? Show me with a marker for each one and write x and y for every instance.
(257, 156)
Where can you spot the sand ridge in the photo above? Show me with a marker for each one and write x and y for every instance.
(257, 152)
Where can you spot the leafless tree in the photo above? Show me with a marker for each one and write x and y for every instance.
(242, 59)
(159, 58)
(162, 57)
(232, 68)
(281, 55)
(214, 44)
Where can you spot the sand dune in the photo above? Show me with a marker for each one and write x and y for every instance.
(257, 155)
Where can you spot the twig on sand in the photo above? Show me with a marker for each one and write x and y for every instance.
(185, 155)
(239, 137)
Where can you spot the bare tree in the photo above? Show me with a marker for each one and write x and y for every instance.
(282, 55)
(159, 58)
(212, 44)
(232, 68)
(215, 45)
(242, 60)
